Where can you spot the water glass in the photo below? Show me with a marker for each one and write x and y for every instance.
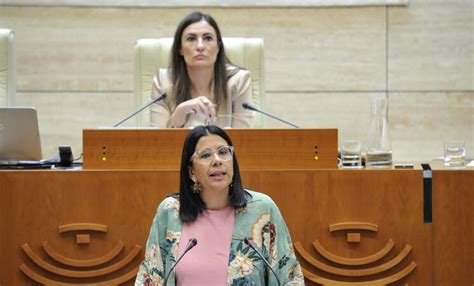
(454, 154)
(351, 157)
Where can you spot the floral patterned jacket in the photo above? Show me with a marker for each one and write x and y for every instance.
(260, 220)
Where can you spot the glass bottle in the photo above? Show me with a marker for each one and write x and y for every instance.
(379, 149)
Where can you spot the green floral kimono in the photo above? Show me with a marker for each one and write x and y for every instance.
(260, 220)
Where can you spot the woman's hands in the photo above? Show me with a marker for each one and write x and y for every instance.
(201, 105)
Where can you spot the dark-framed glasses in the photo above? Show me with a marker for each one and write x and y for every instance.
(224, 153)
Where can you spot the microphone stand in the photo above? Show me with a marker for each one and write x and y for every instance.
(158, 98)
(191, 243)
(250, 107)
(250, 244)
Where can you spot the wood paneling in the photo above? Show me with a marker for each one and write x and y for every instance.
(35, 203)
(453, 227)
(256, 148)
(43, 201)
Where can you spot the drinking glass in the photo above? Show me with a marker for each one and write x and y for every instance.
(454, 154)
(351, 157)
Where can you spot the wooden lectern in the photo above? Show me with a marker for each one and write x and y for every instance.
(349, 227)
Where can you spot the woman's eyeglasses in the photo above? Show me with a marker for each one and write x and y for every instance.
(224, 153)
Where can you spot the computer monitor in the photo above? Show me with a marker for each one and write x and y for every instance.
(19, 134)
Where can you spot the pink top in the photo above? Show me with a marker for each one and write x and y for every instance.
(207, 263)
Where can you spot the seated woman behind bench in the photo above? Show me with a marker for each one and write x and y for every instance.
(201, 84)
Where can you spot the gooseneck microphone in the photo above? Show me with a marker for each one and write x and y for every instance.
(191, 243)
(161, 96)
(249, 243)
(247, 105)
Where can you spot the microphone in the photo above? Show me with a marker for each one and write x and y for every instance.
(249, 243)
(161, 96)
(191, 243)
(247, 105)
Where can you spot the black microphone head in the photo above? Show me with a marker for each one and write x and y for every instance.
(247, 105)
(247, 241)
(250, 244)
(160, 96)
(191, 243)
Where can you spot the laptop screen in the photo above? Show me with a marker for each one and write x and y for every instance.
(19, 134)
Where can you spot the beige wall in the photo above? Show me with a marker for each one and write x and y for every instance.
(322, 67)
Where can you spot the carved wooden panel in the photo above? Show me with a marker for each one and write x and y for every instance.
(383, 208)
(47, 212)
(44, 214)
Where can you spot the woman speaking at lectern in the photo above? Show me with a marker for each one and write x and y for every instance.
(201, 84)
(215, 232)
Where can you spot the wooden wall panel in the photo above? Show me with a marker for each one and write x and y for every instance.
(453, 227)
(42, 201)
(390, 199)
(39, 201)
(255, 148)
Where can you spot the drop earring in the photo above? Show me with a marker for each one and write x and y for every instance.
(196, 187)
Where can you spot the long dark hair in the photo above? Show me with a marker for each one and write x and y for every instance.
(179, 73)
(191, 204)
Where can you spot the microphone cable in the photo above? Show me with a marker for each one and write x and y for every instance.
(248, 106)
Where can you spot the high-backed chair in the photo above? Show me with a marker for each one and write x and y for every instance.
(7, 67)
(153, 54)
